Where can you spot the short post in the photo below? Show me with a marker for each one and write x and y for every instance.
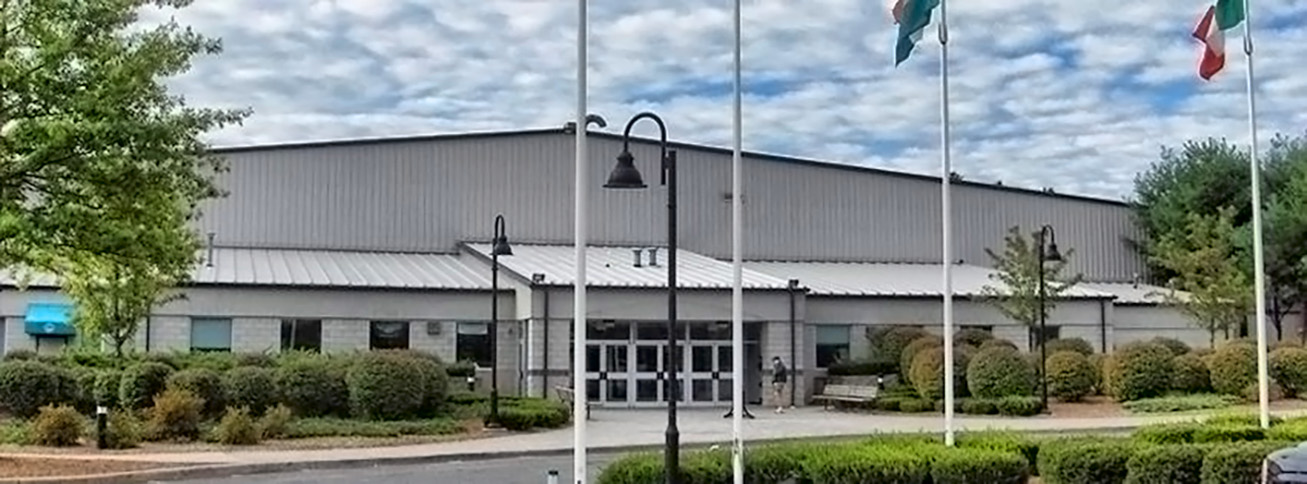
(101, 425)
(552, 477)
(471, 383)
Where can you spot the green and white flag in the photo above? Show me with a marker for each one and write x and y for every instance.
(912, 17)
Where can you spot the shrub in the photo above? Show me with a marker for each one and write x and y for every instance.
(461, 369)
(999, 372)
(1019, 406)
(1141, 370)
(966, 466)
(1180, 403)
(251, 387)
(107, 383)
(1168, 433)
(1070, 377)
(275, 422)
(1023, 445)
(1228, 433)
(58, 426)
(1289, 369)
(534, 413)
(141, 383)
(1191, 375)
(260, 360)
(176, 415)
(237, 428)
(1078, 345)
(19, 355)
(971, 337)
(1169, 464)
(859, 367)
(203, 383)
(1252, 393)
(123, 430)
(644, 468)
(337, 427)
(26, 386)
(1074, 461)
(773, 464)
(15, 432)
(381, 386)
(999, 343)
(434, 381)
(910, 353)
(1176, 346)
(1238, 463)
(979, 406)
(888, 344)
(313, 387)
(1294, 430)
(82, 393)
(928, 372)
(1233, 368)
(1096, 362)
(1240, 418)
(916, 405)
(879, 464)
(890, 404)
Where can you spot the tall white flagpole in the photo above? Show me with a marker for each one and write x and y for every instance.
(1259, 271)
(946, 207)
(578, 291)
(737, 269)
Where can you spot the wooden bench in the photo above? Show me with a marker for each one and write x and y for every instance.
(846, 393)
(568, 396)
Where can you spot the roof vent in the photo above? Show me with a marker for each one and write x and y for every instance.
(653, 257)
(637, 252)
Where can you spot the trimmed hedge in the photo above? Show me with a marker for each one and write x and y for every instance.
(26, 386)
(1021, 444)
(999, 343)
(1289, 369)
(1176, 433)
(1233, 368)
(527, 414)
(1096, 362)
(916, 405)
(1141, 370)
(887, 345)
(1238, 463)
(927, 372)
(313, 387)
(1019, 406)
(1166, 464)
(1176, 346)
(916, 346)
(1180, 403)
(204, 383)
(382, 387)
(881, 464)
(1078, 345)
(979, 406)
(1079, 461)
(860, 368)
(1191, 374)
(142, 382)
(999, 372)
(107, 383)
(251, 387)
(1228, 433)
(971, 337)
(979, 465)
(1070, 376)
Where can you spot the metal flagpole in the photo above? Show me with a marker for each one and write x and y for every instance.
(579, 395)
(737, 269)
(946, 207)
(1259, 278)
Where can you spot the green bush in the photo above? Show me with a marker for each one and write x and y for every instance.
(1166, 464)
(381, 386)
(203, 383)
(971, 337)
(313, 387)
(1228, 433)
(260, 360)
(1096, 362)
(1238, 418)
(890, 404)
(1180, 403)
(774, 464)
(1021, 444)
(461, 369)
(1238, 463)
(26, 386)
(1019, 406)
(979, 406)
(58, 426)
(83, 392)
(1168, 433)
(916, 405)
(644, 468)
(107, 383)
(534, 413)
(338, 427)
(1078, 345)
(1191, 374)
(141, 383)
(1294, 430)
(1289, 369)
(1078, 461)
(967, 466)
(1176, 346)
(887, 345)
(928, 372)
(1141, 370)
(1233, 367)
(910, 353)
(275, 422)
(1070, 376)
(881, 464)
(175, 416)
(1252, 392)
(19, 355)
(252, 387)
(237, 427)
(434, 380)
(15, 432)
(999, 372)
(860, 368)
(999, 343)
(123, 430)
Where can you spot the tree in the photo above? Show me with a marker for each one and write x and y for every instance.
(1285, 235)
(114, 297)
(1018, 267)
(98, 162)
(1206, 267)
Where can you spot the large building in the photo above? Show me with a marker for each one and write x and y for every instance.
(385, 243)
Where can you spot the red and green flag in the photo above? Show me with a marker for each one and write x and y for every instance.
(1211, 29)
(912, 16)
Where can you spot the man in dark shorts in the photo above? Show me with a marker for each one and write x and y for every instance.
(780, 377)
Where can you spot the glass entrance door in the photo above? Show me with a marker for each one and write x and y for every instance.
(626, 364)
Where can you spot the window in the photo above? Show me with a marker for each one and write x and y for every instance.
(832, 344)
(210, 334)
(301, 334)
(1054, 332)
(388, 335)
(473, 343)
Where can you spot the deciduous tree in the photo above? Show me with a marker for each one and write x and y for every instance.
(1017, 273)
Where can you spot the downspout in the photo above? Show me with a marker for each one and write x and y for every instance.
(794, 341)
(544, 378)
(1102, 323)
(147, 333)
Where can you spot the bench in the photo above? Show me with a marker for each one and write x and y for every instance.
(846, 393)
(568, 396)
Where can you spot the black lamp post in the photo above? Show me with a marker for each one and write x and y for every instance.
(626, 176)
(1047, 253)
(499, 246)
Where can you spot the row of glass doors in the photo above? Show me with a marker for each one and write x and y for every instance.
(626, 363)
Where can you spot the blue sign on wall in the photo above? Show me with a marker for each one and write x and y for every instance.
(49, 319)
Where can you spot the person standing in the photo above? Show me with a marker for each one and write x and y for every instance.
(780, 377)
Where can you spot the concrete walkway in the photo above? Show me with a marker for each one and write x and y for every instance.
(620, 430)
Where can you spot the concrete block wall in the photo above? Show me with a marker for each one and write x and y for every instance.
(776, 342)
(255, 335)
(169, 333)
(441, 344)
(345, 335)
(15, 337)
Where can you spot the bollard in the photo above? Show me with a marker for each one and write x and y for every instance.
(471, 383)
(101, 424)
(553, 477)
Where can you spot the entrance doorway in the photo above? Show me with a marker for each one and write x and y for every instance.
(625, 363)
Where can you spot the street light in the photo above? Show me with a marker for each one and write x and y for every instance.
(499, 246)
(1049, 254)
(626, 176)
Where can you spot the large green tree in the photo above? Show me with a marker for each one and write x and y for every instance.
(101, 168)
(1217, 293)
(1017, 273)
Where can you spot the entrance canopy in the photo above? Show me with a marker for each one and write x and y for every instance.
(49, 319)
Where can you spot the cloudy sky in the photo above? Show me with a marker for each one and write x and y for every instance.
(1071, 94)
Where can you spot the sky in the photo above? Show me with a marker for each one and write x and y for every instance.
(1078, 96)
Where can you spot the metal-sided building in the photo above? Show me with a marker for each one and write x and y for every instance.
(384, 243)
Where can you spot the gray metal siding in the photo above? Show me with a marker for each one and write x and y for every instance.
(428, 195)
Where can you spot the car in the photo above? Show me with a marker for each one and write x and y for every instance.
(1286, 466)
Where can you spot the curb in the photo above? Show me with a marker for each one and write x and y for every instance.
(214, 471)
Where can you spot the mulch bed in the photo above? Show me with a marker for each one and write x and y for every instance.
(38, 467)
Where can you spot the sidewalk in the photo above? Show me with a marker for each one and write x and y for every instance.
(627, 429)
